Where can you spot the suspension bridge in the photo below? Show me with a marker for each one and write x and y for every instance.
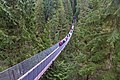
(34, 67)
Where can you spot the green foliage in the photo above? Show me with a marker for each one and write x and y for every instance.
(115, 36)
(4, 39)
(97, 58)
(93, 53)
(58, 72)
(108, 76)
(87, 69)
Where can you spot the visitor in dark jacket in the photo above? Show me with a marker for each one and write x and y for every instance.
(63, 41)
(60, 43)
(74, 19)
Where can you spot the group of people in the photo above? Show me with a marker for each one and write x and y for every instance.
(64, 40)
(69, 34)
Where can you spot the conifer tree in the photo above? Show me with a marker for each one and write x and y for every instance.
(68, 10)
(39, 16)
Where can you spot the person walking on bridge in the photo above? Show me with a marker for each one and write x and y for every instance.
(74, 19)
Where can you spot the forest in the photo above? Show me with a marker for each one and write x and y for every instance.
(28, 27)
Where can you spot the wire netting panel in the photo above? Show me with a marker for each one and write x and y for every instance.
(12, 73)
(5, 76)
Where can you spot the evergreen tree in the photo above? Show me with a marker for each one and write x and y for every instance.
(68, 10)
(39, 16)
